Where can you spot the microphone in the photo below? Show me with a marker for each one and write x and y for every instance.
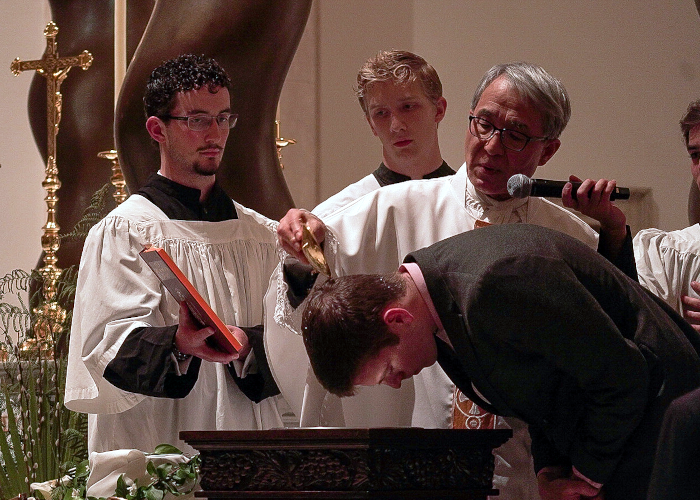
(521, 186)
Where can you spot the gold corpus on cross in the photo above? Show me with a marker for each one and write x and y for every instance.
(50, 315)
(121, 192)
(281, 142)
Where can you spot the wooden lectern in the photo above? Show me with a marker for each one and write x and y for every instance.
(346, 463)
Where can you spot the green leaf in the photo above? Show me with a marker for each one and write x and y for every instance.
(163, 470)
(14, 468)
(151, 468)
(32, 389)
(154, 494)
(122, 487)
(91, 215)
(166, 449)
(82, 470)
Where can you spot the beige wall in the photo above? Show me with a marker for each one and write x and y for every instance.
(22, 206)
(630, 67)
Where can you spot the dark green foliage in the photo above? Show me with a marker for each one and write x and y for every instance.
(42, 439)
(91, 216)
(42, 436)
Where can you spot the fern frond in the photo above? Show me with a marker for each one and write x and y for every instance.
(15, 320)
(15, 282)
(91, 215)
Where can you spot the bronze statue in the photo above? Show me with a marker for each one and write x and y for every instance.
(255, 41)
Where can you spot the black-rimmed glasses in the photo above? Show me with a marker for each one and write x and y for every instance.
(199, 123)
(483, 130)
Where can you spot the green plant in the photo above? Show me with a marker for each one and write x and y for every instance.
(168, 478)
(176, 479)
(42, 439)
(41, 434)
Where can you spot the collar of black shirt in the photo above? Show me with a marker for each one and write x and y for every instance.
(182, 202)
(386, 176)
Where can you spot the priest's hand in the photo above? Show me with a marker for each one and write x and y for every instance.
(593, 200)
(191, 339)
(557, 484)
(289, 231)
(691, 307)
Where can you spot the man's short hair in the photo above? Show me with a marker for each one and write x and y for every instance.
(401, 68)
(343, 327)
(544, 92)
(690, 120)
(183, 73)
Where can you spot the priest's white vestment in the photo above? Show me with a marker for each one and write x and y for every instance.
(228, 262)
(346, 196)
(668, 261)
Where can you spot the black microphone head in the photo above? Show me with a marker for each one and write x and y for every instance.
(519, 186)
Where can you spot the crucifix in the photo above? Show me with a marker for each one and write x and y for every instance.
(55, 69)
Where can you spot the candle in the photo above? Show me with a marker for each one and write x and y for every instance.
(277, 123)
(119, 46)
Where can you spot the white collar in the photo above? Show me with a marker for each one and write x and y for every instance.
(495, 211)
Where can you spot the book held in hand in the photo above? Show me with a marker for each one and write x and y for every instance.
(180, 287)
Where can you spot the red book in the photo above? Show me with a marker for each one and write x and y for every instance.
(180, 287)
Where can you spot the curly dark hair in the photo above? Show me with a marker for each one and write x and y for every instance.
(183, 73)
(342, 326)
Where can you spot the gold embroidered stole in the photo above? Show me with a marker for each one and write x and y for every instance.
(465, 413)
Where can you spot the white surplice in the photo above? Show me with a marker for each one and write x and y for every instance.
(228, 262)
(346, 196)
(668, 261)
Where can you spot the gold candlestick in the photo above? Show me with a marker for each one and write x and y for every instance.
(55, 69)
(281, 142)
(121, 192)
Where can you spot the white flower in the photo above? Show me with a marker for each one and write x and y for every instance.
(44, 488)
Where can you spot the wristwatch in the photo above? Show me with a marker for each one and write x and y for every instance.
(180, 356)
